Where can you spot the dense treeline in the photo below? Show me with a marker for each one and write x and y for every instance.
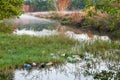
(10, 8)
(46, 5)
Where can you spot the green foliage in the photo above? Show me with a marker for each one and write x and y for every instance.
(105, 49)
(98, 23)
(46, 5)
(40, 5)
(66, 20)
(77, 4)
(16, 50)
(6, 28)
(6, 75)
(111, 7)
(10, 8)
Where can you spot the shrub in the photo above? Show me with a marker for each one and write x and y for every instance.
(6, 28)
(109, 7)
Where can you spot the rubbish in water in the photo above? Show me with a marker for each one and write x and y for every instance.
(77, 57)
(49, 64)
(63, 55)
(42, 65)
(27, 66)
(86, 59)
(71, 59)
(34, 64)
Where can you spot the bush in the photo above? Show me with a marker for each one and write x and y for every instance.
(97, 20)
(6, 28)
(109, 7)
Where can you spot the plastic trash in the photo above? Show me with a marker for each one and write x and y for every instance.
(27, 66)
(34, 64)
(49, 64)
(77, 57)
(71, 59)
(86, 59)
(42, 65)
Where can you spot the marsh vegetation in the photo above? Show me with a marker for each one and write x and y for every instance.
(83, 44)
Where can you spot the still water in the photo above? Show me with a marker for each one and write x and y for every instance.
(67, 71)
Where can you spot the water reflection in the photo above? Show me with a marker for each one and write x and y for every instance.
(68, 71)
(65, 72)
(29, 22)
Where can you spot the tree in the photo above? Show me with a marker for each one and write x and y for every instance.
(61, 5)
(10, 8)
(40, 5)
(77, 4)
(111, 7)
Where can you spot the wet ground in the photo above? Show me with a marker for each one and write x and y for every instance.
(90, 69)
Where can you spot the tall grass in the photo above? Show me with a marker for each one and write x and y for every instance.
(16, 50)
(107, 50)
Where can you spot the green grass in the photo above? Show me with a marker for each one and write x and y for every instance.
(106, 49)
(17, 50)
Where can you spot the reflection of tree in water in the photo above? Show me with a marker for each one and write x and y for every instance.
(32, 23)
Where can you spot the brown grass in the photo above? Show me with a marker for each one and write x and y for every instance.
(62, 4)
(90, 34)
(77, 17)
(61, 29)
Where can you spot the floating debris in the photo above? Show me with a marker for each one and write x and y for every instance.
(63, 55)
(86, 59)
(34, 64)
(71, 59)
(77, 57)
(49, 64)
(27, 66)
(42, 65)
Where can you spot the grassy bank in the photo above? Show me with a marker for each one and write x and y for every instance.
(109, 50)
(17, 50)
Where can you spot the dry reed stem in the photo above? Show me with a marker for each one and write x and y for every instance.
(61, 29)
(90, 34)
(63, 4)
